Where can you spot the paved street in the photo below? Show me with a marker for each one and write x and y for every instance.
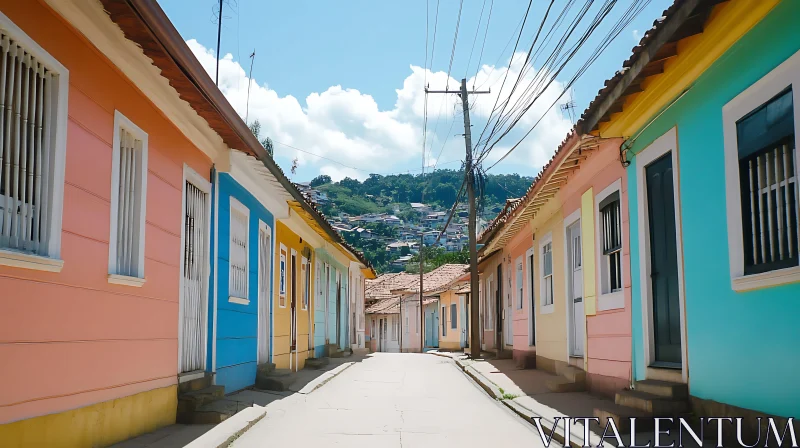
(393, 400)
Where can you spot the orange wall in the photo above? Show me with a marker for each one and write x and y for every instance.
(70, 339)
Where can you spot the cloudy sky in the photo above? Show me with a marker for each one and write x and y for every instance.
(339, 86)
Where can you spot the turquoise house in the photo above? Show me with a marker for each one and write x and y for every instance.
(331, 306)
(712, 161)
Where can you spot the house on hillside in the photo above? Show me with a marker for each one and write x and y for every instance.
(437, 284)
(383, 311)
(392, 220)
(420, 208)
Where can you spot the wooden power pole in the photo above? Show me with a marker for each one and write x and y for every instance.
(469, 170)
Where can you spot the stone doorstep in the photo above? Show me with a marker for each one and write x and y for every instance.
(666, 389)
(190, 401)
(278, 380)
(656, 405)
(317, 363)
(561, 384)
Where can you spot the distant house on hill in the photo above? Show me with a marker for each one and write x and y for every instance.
(420, 208)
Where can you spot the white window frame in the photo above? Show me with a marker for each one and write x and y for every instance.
(283, 268)
(785, 75)
(237, 206)
(122, 122)
(609, 300)
(51, 262)
(519, 279)
(530, 296)
(405, 310)
(305, 269)
(543, 307)
(265, 332)
(488, 319)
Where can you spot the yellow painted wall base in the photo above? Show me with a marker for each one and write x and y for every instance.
(450, 345)
(98, 425)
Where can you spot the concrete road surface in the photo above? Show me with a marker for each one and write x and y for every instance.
(394, 400)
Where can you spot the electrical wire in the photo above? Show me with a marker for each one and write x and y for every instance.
(475, 40)
(627, 17)
(483, 45)
(455, 40)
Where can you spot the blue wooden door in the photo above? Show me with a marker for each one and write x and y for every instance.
(664, 262)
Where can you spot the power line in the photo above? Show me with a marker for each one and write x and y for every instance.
(483, 45)
(524, 19)
(477, 31)
(455, 39)
(632, 11)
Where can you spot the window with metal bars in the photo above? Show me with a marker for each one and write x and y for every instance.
(547, 274)
(444, 321)
(611, 238)
(453, 316)
(768, 185)
(488, 302)
(282, 279)
(237, 286)
(31, 85)
(129, 185)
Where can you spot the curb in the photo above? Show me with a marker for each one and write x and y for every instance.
(324, 378)
(576, 432)
(224, 434)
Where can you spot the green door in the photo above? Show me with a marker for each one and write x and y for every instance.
(663, 263)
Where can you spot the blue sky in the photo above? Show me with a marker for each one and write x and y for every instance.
(344, 80)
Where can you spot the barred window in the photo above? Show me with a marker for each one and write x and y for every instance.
(547, 274)
(768, 185)
(611, 238)
(238, 250)
(32, 144)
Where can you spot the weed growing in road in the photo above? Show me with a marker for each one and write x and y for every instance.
(509, 396)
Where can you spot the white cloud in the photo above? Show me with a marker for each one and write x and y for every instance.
(637, 36)
(348, 126)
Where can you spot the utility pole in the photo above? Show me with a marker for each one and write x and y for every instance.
(219, 39)
(421, 273)
(474, 303)
(249, 81)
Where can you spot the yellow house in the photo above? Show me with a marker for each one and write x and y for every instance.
(292, 307)
(309, 253)
(454, 317)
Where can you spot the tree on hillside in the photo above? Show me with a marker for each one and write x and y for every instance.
(322, 179)
(435, 257)
(353, 184)
(266, 142)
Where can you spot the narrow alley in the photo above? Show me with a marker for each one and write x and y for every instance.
(393, 400)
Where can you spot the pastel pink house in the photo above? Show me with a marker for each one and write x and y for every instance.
(555, 274)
